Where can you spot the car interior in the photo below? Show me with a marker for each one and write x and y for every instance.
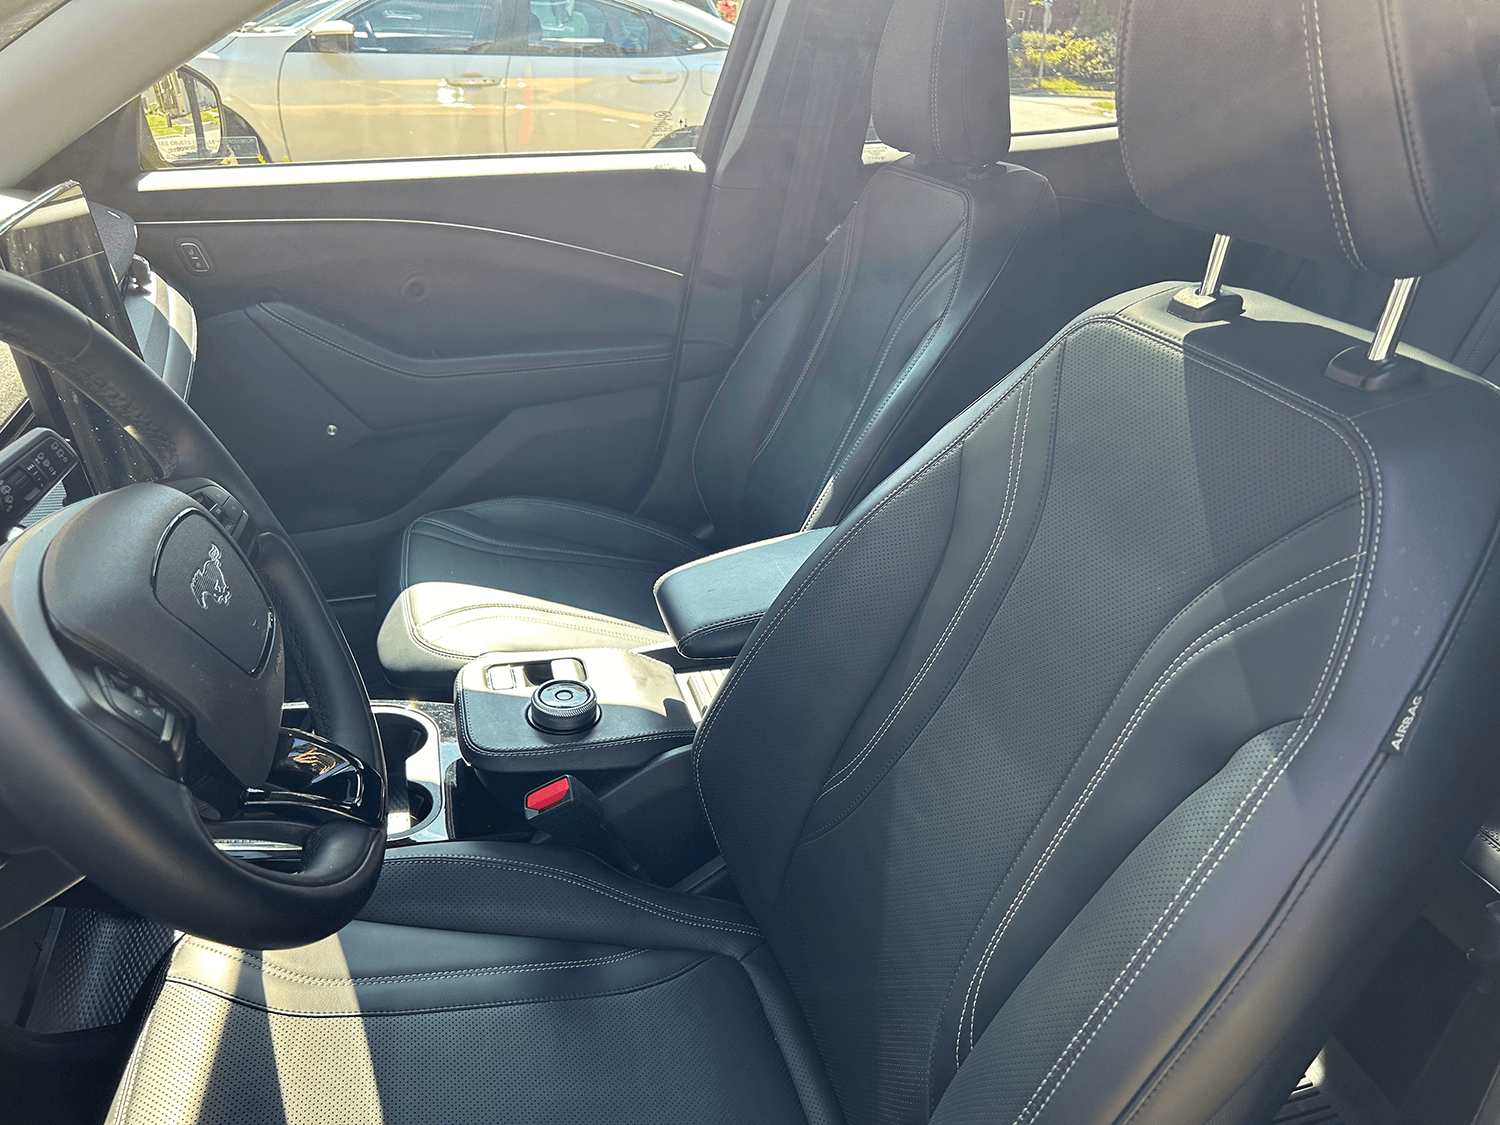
(885, 615)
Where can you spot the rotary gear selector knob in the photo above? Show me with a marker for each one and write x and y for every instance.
(563, 707)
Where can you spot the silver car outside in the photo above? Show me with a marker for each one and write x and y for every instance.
(431, 78)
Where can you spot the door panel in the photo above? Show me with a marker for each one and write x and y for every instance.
(380, 340)
(421, 288)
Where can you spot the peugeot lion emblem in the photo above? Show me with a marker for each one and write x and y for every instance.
(208, 583)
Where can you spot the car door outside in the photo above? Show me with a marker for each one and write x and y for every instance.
(424, 79)
(599, 77)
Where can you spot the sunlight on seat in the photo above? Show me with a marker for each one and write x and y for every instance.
(323, 1063)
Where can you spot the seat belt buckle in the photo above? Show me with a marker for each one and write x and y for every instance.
(567, 811)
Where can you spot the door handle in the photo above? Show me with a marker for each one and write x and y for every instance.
(656, 77)
(473, 78)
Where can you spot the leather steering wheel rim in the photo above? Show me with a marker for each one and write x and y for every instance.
(136, 833)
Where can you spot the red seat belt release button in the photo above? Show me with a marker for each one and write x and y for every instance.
(550, 795)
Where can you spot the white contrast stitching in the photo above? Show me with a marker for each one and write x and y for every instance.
(1262, 784)
(595, 513)
(1323, 127)
(480, 537)
(247, 958)
(856, 234)
(844, 538)
(968, 1014)
(587, 884)
(1012, 483)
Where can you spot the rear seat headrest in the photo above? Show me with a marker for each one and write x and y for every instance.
(942, 82)
(1356, 130)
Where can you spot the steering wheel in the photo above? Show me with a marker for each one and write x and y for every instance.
(143, 637)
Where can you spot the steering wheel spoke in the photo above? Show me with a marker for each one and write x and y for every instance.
(315, 781)
(159, 617)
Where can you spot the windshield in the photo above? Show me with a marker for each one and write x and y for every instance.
(293, 13)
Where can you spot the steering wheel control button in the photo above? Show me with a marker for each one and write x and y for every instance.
(563, 707)
(201, 580)
(133, 702)
(223, 507)
(29, 469)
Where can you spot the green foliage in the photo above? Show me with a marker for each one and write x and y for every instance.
(1088, 60)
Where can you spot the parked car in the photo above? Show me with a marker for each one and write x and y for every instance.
(361, 79)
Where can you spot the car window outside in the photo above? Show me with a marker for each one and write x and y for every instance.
(333, 80)
(419, 26)
(1062, 64)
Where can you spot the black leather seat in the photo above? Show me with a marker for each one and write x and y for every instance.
(1085, 768)
(938, 280)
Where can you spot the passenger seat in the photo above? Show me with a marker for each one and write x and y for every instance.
(942, 274)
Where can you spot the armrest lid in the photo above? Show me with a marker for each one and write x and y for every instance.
(711, 605)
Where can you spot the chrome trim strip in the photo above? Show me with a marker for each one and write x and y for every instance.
(418, 168)
(415, 223)
(258, 849)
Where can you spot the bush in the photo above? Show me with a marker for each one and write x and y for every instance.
(1088, 60)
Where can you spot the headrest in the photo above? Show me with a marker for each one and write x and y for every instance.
(942, 83)
(1352, 130)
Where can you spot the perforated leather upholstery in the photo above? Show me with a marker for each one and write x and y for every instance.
(935, 282)
(1079, 775)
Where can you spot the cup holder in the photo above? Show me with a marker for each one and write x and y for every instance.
(410, 740)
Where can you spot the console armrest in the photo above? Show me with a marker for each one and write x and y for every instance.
(712, 605)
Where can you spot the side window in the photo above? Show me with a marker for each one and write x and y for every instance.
(419, 26)
(1062, 64)
(329, 80)
(594, 28)
(681, 41)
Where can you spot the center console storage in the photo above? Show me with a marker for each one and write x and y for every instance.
(588, 748)
(510, 722)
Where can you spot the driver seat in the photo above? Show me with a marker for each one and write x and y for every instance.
(1090, 763)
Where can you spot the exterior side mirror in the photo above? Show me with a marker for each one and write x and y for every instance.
(185, 119)
(333, 37)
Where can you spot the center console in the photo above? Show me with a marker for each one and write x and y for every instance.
(589, 748)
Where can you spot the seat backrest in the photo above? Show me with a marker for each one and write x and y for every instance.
(946, 257)
(1091, 761)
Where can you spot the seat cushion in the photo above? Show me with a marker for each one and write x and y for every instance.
(486, 983)
(522, 574)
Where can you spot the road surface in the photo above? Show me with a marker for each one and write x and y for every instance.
(1035, 113)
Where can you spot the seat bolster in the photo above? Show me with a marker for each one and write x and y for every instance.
(1483, 854)
(549, 892)
(373, 969)
(587, 526)
(434, 628)
(960, 341)
(466, 993)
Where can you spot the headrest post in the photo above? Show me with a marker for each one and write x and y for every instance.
(1378, 367)
(1393, 319)
(1206, 303)
(1216, 256)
